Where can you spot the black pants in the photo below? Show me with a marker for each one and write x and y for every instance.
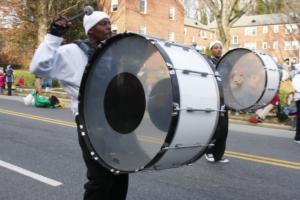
(9, 85)
(219, 137)
(297, 136)
(101, 184)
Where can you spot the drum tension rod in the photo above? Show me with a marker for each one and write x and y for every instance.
(208, 110)
(203, 74)
(181, 146)
(169, 44)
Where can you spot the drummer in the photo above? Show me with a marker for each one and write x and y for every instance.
(66, 63)
(216, 152)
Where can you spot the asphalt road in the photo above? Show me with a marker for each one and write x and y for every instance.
(40, 159)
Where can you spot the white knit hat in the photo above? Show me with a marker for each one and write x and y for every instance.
(212, 43)
(89, 21)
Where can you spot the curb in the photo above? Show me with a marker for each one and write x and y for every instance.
(265, 125)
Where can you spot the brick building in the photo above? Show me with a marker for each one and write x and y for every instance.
(162, 19)
(197, 34)
(275, 34)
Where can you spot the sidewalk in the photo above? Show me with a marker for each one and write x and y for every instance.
(18, 96)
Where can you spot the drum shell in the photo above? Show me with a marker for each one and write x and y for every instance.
(194, 129)
(272, 81)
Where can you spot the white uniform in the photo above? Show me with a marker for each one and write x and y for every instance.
(65, 63)
(296, 86)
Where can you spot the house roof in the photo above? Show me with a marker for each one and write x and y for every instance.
(261, 20)
(195, 23)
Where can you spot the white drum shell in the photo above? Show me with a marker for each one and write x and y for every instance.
(194, 129)
(273, 81)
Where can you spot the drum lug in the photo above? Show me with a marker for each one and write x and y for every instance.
(170, 66)
(176, 108)
(164, 147)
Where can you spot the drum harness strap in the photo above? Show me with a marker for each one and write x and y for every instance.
(86, 47)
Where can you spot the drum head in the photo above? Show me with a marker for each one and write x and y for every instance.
(126, 102)
(243, 78)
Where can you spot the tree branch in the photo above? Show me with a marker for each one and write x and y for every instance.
(234, 18)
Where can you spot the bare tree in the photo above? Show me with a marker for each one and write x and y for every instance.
(292, 11)
(43, 11)
(226, 13)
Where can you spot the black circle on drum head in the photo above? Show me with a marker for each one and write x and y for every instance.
(124, 103)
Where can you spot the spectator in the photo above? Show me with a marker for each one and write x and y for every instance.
(9, 75)
(261, 114)
(2, 82)
(296, 86)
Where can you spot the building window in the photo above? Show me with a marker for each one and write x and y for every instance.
(114, 5)
(275, 45)
(171, 36)
(185, 31)
(143, 30)
(235, 39)
(250, 45)
(291, 28)
(265, 29)
(202, 34)
(264, 45)
(172, 13)
(276, 28)
(291, 45)
(193, 39)
(143, 6)
(114, 28)
(250, 31)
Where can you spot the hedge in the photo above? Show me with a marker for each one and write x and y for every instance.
(29, 78)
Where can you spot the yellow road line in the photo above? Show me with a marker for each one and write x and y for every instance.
(263, 161)
(232, 153)
(38, 118)
(242, 156)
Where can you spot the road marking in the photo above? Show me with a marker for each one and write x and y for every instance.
(232, 153)
(30, 174)
(263, 161)
(38, 118)
(155, 140)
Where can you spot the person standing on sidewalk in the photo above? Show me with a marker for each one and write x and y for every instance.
(66, 63)
(2, 82)
(216, 152)
(9, 77)
(296, 86)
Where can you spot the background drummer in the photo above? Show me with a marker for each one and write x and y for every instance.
(215, 153)
(66, 63)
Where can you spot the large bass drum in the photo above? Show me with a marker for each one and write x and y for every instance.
(250, 79)
(147, 104)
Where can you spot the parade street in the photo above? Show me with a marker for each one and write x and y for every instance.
(40, 159)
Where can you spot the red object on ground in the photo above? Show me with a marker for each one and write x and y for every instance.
(253, 120)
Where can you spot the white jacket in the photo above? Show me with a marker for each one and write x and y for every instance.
(64, 63)
(296, 86)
